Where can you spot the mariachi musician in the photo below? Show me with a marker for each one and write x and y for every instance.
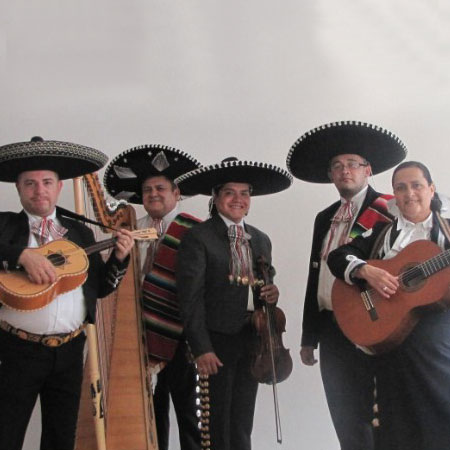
(413, 380)
(346, 154)
(41, 351)
(214, 275)
(144, 175)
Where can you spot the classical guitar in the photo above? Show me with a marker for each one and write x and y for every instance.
(71, 265)
(380, 324)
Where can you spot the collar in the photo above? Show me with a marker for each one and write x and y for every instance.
(229, 222)
(33, 218)
(357, 199)
(168, 218)
(404, 224)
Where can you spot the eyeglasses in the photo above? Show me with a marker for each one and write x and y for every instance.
(351, 165)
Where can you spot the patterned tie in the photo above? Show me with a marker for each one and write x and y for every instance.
(241, 266)
(45, 229)
(343, 214)
(153, 246)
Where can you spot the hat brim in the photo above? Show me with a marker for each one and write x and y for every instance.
(309, 158)
(66, 159)
(127, 171)
(264, 178)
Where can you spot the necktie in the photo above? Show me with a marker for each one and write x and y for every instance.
(241, 266)
(153, 246)
(343, 215)
(45, 228)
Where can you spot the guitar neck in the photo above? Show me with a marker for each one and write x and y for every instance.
(435, 264)
(99, 246)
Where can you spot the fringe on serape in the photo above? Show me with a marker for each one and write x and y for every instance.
(160, 310)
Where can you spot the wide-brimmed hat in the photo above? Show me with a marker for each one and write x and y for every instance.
(127, 171)
(264, 178)
(309, 158)
(66, 159)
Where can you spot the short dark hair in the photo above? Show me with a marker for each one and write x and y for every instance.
(172, 183)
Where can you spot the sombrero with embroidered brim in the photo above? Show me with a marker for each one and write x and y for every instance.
(309, 158)
(264, 178)
(127, 171)
(66, 159)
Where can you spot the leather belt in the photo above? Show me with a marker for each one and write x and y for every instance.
(49, 340)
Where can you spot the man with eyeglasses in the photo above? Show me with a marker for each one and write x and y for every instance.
(345, 154)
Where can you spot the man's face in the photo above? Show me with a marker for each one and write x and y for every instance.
(233, 201)
(159, 197)
(413, 194)
(39, 191)
(349, 173)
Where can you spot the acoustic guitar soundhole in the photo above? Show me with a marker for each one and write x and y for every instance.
(412, 277)
(57, 259)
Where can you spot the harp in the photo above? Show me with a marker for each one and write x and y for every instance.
(116, 410)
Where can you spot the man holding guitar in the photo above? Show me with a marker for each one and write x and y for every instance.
(41, 351)
(413, 383)
(345, 154)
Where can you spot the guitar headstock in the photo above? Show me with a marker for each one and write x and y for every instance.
(146, 234)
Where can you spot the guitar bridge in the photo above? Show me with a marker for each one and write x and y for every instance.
(370, 307)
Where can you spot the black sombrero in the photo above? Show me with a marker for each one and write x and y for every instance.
(66, 159)
(127, 171)
(310, 156)
(264, 178)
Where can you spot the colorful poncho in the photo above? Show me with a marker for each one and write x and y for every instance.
(160, 311)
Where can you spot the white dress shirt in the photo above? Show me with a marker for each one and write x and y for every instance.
(326, 278)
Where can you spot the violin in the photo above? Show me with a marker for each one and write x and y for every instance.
(271, 362)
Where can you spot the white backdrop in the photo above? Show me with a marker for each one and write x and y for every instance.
(234, 78)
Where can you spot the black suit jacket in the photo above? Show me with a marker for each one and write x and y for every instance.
(102, 278)
(311, 315)
(207, 299)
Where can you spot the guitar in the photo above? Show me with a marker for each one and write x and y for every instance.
(380, 324)
(71, 265)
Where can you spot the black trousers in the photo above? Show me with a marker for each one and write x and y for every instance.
(27, 370)
(178, 380)
(348, 376)
(414, 388)
(232, 392)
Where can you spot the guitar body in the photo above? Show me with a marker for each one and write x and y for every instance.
(71, 264)
(397, 315)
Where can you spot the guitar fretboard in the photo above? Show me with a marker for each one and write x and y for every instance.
(429, 267)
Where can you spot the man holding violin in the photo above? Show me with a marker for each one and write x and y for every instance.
(41, 351)
(214, 276)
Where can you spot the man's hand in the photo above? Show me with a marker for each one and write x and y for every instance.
(270, 293)
(307, 355)
(208, 364)
(39, 269)
(124, 244)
